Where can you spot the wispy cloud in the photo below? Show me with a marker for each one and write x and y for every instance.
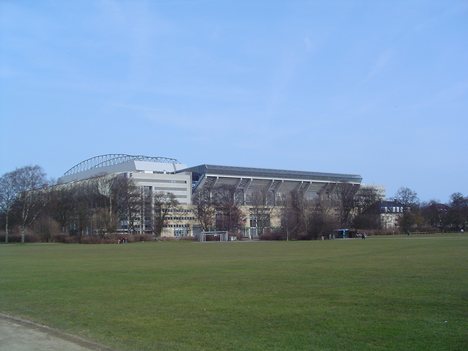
(162, 116)
(7, 71)
(455, 92)
(223, 123)
(308, 44)
(382, 61)
(291, 59)
(227, 126)
(451, 10)
(445, 96)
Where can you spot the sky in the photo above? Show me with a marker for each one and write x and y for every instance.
(375, 88)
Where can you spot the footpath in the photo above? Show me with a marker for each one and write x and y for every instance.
(20, 335)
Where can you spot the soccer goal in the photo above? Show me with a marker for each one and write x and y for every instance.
(223, 236)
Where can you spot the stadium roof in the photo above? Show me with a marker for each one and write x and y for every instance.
(102, 161)
(118, 163)
(271, 173)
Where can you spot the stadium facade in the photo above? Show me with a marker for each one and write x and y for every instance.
(157, 173)
(167, 175)
(274, 183)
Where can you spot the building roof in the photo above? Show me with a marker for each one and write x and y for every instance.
(102, 161)
(118, 163)
(271, 173)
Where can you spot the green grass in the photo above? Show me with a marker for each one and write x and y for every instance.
(376, 294)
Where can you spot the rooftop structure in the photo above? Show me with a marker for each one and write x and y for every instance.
(120, 163)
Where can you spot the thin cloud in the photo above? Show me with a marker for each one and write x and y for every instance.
(380, 64)
(460, 8)
(195, 122)
(308, 44)
(445, 96)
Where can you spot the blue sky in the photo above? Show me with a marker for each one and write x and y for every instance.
(376, 88)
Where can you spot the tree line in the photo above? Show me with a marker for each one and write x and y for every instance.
(96, 206)
(99, 206)
(432, 215)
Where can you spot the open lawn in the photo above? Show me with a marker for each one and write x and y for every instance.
(395, 293)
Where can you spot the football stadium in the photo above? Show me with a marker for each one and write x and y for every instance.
(156, 175)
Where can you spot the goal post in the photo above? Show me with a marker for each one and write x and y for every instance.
(223, 235)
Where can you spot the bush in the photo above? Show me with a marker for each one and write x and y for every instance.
(16, 238)
(273, 236)
(46, 228)
(92, 239)
(65, 238)
(140, 237)
(165, 238)
(187, 238)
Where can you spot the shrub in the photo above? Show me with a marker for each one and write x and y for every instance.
(46, 228)
(187, 238)
(273, 236)
(16, 238)
(139, 237)
(65, 238)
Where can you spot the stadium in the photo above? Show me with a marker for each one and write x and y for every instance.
(153, 175)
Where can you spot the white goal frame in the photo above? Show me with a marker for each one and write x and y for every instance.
(223, 235)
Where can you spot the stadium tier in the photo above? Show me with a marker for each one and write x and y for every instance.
(275, 183)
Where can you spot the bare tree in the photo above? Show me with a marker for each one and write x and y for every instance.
(294, 215)
(367, 208)
(342, 199)
(458, 212)
(29, 183)
(409, 199)
(8, 196)
(321, 220)
(228, 212)
(60, 206)
(46, 227)
(308, 219)
(260, 210)
(435, 214)
(85, 200)
(127, 200)
(164, 205)
(204, 208)
(104, 185)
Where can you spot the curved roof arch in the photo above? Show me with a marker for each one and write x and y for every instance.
(114, 159)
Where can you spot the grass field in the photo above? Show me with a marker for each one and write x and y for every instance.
(378, 294)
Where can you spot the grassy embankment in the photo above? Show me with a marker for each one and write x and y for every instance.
(376, 294)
